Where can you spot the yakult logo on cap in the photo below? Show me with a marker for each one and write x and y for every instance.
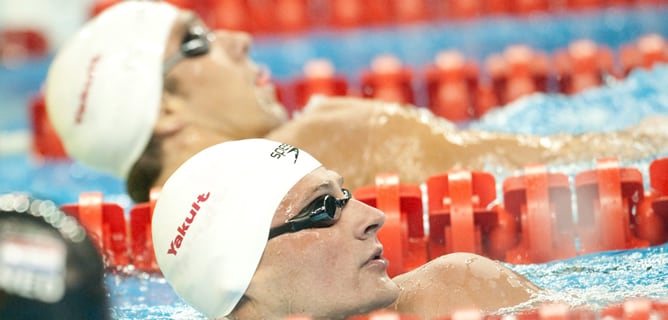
(84, 94)
(182, 230)
(285, 149)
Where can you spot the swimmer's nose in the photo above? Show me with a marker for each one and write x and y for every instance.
(369, 219)
(237, 44)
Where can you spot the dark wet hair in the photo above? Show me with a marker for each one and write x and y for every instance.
(49, 268)
(145, 171)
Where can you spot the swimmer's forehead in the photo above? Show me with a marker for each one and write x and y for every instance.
(186, 20)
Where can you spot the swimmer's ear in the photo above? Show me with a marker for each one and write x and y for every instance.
(169, 120)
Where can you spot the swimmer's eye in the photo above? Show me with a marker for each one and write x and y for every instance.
(195, 43)
(321, 213)
(196, 32)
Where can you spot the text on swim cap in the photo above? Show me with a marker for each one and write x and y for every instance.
(283, 150)
(183, 228)
(84, 93)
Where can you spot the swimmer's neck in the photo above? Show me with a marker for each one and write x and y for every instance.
(179, 146)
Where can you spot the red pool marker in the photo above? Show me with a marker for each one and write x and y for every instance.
(554, 311)
(518, 71)
(141, 239)
(486, 100)
(495, 67)
(606, 197)
(469, 9)
(496, 7)
(319, 77)
(226, 14)
(530, 7)
(458, 213)
(451, 85)
(660, 308)
(582, 66)
(541, 201)
(410, 11)
(20, 44)
(45, 141)
(186, 4)
(647, 51)
(376, 13)
(638, 309)
(291, 16)
(658, 175)
(585, 4)
(653, 49)
(403, 235)
(346, 14)
(105, 223)
(388, 80)
(525, 72)
(652, 211)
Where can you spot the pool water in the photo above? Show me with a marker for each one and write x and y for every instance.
(594, 280)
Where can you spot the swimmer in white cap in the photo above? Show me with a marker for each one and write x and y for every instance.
(144, 86)
(257, 229)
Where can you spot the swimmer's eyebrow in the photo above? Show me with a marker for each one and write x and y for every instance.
(187, 20)
(327, 185)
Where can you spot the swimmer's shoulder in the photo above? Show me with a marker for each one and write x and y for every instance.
(356, 108)
(459, 267)
(461, 280)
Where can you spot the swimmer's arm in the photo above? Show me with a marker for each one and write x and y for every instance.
(458, 281)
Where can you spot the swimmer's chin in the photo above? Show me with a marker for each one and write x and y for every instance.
(279, 113)
(269, 104)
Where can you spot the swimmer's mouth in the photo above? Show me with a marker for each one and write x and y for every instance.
(263, 76)
(376, 255)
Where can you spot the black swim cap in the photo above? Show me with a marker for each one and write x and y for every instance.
(49, 268)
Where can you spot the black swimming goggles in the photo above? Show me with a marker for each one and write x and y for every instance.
(195, 43)
(321, 213)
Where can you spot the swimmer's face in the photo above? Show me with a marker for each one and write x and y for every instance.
(222, 89)
(324, 272)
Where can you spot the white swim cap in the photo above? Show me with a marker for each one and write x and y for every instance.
(104, 87)
(211, 221)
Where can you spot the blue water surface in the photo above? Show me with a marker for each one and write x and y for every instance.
(612, 107)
